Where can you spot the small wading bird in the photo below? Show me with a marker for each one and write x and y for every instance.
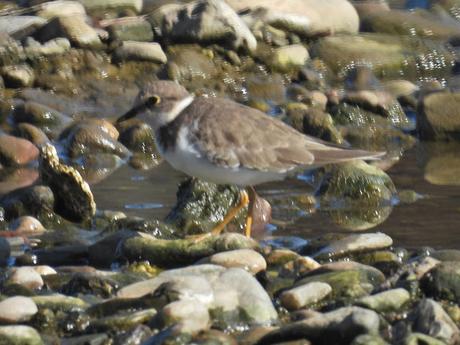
(221, 141)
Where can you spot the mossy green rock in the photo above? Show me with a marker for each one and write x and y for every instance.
(390, 300)
(172, 253)
(202, 205)
(346, 284)
(313, 122)
(135, 29)
(364, 190)
(388, 56)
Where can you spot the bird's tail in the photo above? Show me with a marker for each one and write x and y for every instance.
(339, 155)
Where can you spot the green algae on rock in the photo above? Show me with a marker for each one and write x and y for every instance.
(172, 253)
(365, 190)
(202, 205)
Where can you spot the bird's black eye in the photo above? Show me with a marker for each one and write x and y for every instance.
(152, 101)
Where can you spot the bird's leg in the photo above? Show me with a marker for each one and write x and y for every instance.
(249, 217)
(244, 201)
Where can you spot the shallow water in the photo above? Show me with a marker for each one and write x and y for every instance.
(432, 220)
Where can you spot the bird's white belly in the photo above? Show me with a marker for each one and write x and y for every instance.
(200, 167)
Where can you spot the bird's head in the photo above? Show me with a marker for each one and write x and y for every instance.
(158, 103)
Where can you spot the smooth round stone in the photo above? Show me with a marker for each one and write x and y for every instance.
(27, 224)
(247, 259)
(16, 151)
(356, 243)
(391, 300)
(26, 276)
(44, 270)
(18, 178)
(17, 309)
(304, 295)
(32, 133)
(19, 335)
(18, 76)
(192, 316)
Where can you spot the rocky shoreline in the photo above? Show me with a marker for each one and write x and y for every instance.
(362, 74)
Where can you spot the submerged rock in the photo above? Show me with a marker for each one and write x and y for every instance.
(74, 199)
(390, 300)
(366, 191)
(34, 201)
(388, 56)
(131, 29)
(443, 281)
(289, 57)
(203, 21)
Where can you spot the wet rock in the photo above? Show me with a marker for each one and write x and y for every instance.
(11, 51)
(90, 284)
(96, 167)
(142, 288)
(16, 151)
(55, 46)
(58, 302)
(17, 309)
(201, 206)
(253, 302)
(289, 57)
(189, 62)
(122, 322)
(136, 336)
(20, 26)
(17, 76)
(131, 29)
(414, 23)
(390, 300)
(32, 133)
(388, 56)
(170, 253)
(443, 281)
(354, 243)
(439, 116)
(236, 298)
(268, 88)
(15, 178)
(440, 162)
(419, 338)
(304, 295)
(399, 87)
(348, 280)
(26, 276)
(367, 193)
(74, 28)
(368, 339)
(34, 201)
(431, 319)
(19, 335)
(189, 316)
(105, 5)
(313, 122)
(203, 21)
(139, 138)
(307, 18)
(74, 199)
(339, 326)
(446, 255)
(88, 137)
(57, 8)
(247, 259)
(27, 225)
(47, 119)
(143, 51)
(5, 251)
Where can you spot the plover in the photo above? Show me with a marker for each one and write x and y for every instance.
(225, 142)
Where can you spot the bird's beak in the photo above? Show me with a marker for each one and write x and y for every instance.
(131, 113)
